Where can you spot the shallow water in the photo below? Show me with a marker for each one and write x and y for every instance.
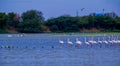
(44, 50)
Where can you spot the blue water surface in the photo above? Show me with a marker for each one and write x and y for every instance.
(45, 50)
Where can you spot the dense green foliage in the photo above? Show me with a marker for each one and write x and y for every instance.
(3, 19)
(32, 21)
(32, 14)
(30, 26)
(63, 24)
(13, 20)
(68, 24)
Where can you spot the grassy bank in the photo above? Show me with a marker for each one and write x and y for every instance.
(88, 34)
(102, 33)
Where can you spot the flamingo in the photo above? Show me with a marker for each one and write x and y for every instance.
(61, 42)
(104, 41)
(118, 41)
(114, 40)
(78, 42)
(87, 43)
(91, 41)
(69, 42)
(99, 42)
(110, 41)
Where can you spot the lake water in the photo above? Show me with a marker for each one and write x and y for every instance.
(45, 50)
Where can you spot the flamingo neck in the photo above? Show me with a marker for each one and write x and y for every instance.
(76, 39)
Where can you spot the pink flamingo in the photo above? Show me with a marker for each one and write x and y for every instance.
(69, 42)
(79, 43)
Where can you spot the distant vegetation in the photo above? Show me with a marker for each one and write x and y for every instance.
(32, 21)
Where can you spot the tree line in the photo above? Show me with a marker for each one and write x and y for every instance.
(32, 21)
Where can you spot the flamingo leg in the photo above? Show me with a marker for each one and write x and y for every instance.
(119, 44)
(70, 45)
(100, 45)
(110, 45)
(91, 45)
(61, 44)
(79, 46)
(87, 46)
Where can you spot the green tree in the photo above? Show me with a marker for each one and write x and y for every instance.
(13, 20)
(83, 22)
(117, 23)
(32, 22)
(30, 26)
(63, 24)
(54, 28)
(104, 22)
(3, 20)
(32, 14)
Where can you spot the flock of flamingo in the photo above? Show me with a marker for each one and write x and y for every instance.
(88, 41)
(91, 42)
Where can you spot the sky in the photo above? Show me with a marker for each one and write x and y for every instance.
(55, 8)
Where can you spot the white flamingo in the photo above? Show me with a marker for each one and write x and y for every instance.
(69, 42)
(99, 42)
(87, 43)
(115, 40)
(104, 41)
(110, 41)
(61, 42)
(118, 41)
(79, 43)
(91, 41)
